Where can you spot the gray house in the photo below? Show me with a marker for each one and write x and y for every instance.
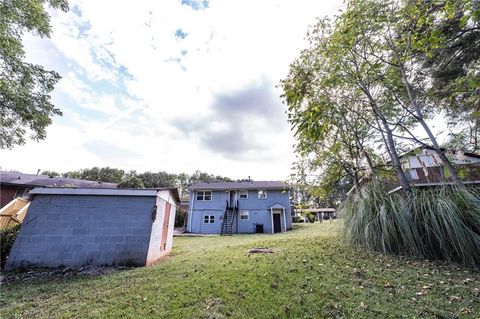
(75, 226)
(239, 207)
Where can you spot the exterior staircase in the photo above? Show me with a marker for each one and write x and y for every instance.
(13, 213)
(228, 218)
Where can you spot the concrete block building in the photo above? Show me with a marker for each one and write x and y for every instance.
(239, 207)
(75, 226)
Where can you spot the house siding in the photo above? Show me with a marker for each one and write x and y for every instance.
(259, 212)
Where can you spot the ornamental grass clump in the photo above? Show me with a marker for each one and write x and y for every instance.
(435, 223)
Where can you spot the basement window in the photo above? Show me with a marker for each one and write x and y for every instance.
(204, 195)
(244, 214)
(209, 219)
(244, 194)
(262, 194)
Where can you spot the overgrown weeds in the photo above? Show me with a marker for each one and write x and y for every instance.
(439, 223)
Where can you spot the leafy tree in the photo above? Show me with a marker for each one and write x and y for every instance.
(131, 180)
(160, 179)
(50, 173)
(104, 174)
(360, 85)
(25, 105)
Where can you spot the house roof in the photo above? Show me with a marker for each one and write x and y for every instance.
(32, 180)
(240, 185)
(431, 148)
(103, 191)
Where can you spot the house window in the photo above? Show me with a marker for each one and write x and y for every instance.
(244, 194)
(244, 214)
(413, 173)
(209, 219)
(204, 195)
(262, 194)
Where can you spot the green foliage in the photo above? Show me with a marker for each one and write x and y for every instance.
(25, 105)
(7, 238)
(310, 275)
(434, 223)
(50, 173)
(131, 180)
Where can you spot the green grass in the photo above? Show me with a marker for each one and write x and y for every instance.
(310, 275)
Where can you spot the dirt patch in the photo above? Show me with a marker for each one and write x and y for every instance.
(39, 273)
(261, 250)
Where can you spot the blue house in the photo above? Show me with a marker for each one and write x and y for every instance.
(239, 207)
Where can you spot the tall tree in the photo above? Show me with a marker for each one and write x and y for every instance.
(25, 105)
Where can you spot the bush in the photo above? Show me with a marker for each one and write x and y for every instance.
(435, 223)
(180, 218)
(7, 238)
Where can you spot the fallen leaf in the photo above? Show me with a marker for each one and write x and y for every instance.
(466, 311)
(422, 292)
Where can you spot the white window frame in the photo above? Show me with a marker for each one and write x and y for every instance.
(204, 195)
(243, 192)
(265, 192)
(243, 212)
(208, 219)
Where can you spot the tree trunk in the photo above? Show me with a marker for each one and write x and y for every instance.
(395, 159)
(453, 171)
(390, 143)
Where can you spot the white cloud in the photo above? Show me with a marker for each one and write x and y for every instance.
(123, 61)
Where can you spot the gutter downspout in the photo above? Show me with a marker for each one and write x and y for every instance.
(191, 211)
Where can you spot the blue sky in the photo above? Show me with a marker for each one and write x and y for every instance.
(170, 85)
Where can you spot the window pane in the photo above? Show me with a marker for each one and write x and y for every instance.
(244, 214)
(262, 193)
(212, 219)
(205, 219)
(208, 196)
(243, 194)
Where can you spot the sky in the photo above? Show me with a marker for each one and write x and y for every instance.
(173, 85)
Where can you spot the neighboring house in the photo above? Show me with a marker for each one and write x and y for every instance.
(17, 185)
(423, 167)
(73, 227)
(239, 207)
(318, 212)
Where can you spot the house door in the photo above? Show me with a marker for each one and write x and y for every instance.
(233, 198)
(166, 220)
(277, 225)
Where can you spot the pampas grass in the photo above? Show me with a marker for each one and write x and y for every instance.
(434, 223)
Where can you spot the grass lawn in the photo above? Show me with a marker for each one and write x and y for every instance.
(310, 275)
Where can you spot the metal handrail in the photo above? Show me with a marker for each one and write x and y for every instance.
(224, 217)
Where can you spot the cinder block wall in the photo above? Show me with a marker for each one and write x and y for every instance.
(78, 230)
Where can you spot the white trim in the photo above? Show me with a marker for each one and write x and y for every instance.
(209, 219)
(203, 200)
(258, 193)
(240, 214)
(240, 193)
(284, 221)
(279, 213)
(271, 215)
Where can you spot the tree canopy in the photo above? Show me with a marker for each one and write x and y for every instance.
(373, 75)
(25, 102)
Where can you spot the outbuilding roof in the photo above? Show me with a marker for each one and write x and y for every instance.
(32, 180)
(103, 191)
(240, 185)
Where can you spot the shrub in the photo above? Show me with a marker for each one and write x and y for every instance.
(7, 238)
(435, 223)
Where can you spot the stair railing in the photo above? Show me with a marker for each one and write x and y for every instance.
(224, 217)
